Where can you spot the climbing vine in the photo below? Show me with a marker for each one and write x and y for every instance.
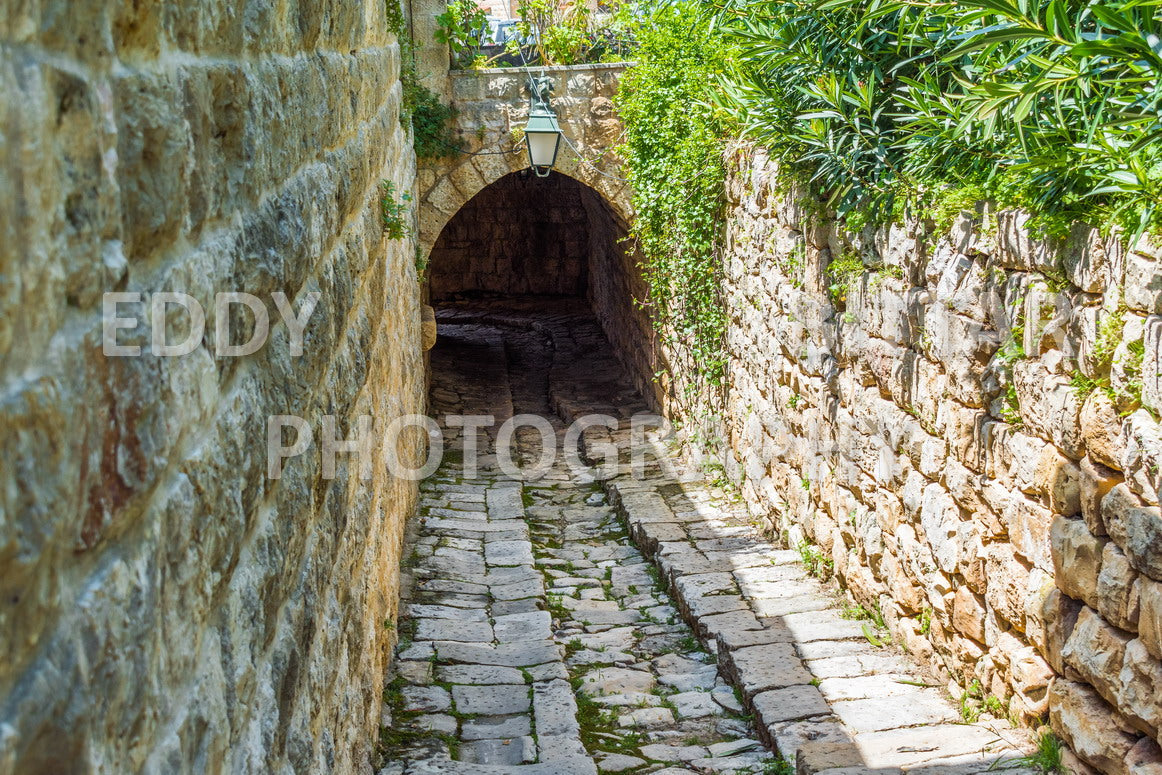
(394, 18)
(394, 216)
(674, 155)
(430, 119)
(432, 133)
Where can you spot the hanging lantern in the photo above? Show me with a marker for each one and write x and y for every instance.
(542, 132)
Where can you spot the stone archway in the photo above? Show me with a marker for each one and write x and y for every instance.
(520, 235)
(491, 106)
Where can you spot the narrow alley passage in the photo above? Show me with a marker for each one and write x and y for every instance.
(565, 623)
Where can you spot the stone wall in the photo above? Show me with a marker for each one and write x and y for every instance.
(164, 605)
(522, 234)
(929, 421)
(617, 293)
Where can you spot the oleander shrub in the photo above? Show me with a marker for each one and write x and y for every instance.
(888, 105)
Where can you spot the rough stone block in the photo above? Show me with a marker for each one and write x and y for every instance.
(1142, 459)
(1138, 697)
(1136, 529)
(1017, 249)
(1152, 363)
(940, 518)
(1008, 579)
(1089, 726)
(1029, 526)
(841, 757)
(968, 614)
(1030, 676)
(1150, 618)
(1102, 428)
(1074, 765)
(1096, 482)
(1118, 589)
(1096, 651)
(1077, 557)
(1086, 259)
(771, 666)
(1143, 287)
(1145, 758)
(152, 160)
(492, 699)
(916, 748)
(1059, 478)
(1049, 406)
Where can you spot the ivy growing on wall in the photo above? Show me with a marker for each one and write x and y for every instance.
(674, 156)
(430, 119)
(886, 107)
(394, 18)
(394, 216)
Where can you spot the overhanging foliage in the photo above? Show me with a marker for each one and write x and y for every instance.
(1051, 106)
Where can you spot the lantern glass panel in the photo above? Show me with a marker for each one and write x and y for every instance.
(543, 148)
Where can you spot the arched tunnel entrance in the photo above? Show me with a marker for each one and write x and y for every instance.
(528, 600)
(546, 246)
(537, 633)
(521, 235)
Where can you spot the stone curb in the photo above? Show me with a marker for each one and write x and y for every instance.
(652, 527)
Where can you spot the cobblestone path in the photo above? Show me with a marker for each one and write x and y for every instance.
(634, 623)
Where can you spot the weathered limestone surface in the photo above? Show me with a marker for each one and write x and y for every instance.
(920, 421)
(166, 606)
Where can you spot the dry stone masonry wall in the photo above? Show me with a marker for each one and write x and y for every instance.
(164, 605)
(927, 418)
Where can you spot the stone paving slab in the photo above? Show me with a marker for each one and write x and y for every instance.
(491, 699)
(479, 674)
(793, 703)
(496, 727)
(454, 629)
